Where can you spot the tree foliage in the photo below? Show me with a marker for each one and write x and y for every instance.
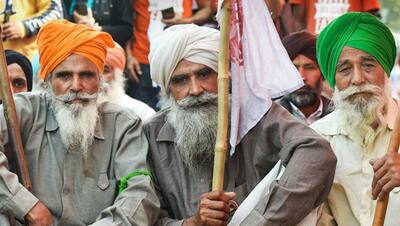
(391, 13)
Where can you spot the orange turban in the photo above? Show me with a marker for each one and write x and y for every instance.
(116, 57)
(59, 39)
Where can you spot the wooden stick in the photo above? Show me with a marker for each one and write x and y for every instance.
(381, 206)
(221, 145)
(12, 122)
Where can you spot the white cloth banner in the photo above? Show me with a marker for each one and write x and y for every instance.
(260, 191)
(260, 66)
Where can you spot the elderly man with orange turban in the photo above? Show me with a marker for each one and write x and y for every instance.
(86, 160)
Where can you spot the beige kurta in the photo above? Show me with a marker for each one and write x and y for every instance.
(350, 203)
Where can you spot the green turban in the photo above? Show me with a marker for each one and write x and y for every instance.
(357, 30)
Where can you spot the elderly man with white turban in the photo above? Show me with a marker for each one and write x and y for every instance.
(182, 136)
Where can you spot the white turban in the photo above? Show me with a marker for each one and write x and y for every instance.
(182, 42)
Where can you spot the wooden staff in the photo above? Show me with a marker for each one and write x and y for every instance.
(12, 122)
(221, 145)
(381, 206)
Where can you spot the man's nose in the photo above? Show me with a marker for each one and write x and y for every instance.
(358, 77)
(195, 87)
(76, 84)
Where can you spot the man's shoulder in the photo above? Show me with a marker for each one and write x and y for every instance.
(30, 99)
(158, 119)
(284, 102)
(117, 111)
(328, 125)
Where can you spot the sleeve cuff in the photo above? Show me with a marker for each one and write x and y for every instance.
(21, 203)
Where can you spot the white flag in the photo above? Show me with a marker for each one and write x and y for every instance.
(260, 66)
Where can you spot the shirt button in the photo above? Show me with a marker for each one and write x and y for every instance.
(202, 180)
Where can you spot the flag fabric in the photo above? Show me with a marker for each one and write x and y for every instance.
(260, 66)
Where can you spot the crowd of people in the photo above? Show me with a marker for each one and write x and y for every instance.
(117, 105)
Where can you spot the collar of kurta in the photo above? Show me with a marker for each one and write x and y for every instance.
(52, 124)
(339, 128)
(167, 131)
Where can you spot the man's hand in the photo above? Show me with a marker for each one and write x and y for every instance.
(214, 209)
(133, 67)
(39, 215)
(13, 30)
(85, 19)
(386, 175)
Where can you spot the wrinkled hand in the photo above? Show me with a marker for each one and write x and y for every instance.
(214, 209)
(85, 19)
(133, 67)
(39, 215)
(12, 30)
(177, 20)
(386, 175)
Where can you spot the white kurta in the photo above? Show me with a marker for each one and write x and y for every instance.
(350, 202)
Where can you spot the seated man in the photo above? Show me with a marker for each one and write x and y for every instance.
(307, 104)
(114, 83)
(356, 53)
(79, 153)
(182, 137)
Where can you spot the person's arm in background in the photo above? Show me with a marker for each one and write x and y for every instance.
(202, 16)
(299, 14)
(132, 64)
(122, 20)
(275, 7)
(47, 10)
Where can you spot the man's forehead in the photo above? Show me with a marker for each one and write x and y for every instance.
(185, 67)
(352, 53)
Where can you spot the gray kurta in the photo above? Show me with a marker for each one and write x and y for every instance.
(78, 192)
(309, 160)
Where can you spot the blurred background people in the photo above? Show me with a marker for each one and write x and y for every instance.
(22, 20)
(114, 84)
(307, 104)
(111, 16)
(19, 71)
(314, 15)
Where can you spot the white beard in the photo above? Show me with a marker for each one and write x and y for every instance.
(195, 123)
(77, 121)
(113, 91)
(364, 114)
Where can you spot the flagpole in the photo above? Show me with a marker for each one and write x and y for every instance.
(221, 145)
(381, 206)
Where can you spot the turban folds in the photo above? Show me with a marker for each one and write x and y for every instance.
(357, 30)
(59, 39)
(182, 42)
(302, 42)
(116, 57)
(16, 57)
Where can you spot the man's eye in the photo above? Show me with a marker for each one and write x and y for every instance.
(344, 70)
(178, 80)
(64, 76)
(19, 83)
(87, 75)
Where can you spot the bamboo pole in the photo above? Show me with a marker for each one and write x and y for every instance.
(12, 122)
(221, 145)
(381, 206)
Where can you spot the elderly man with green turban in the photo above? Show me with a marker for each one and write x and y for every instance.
(356, 53)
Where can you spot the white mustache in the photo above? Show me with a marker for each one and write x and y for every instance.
(74, 96)
(367, 88)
